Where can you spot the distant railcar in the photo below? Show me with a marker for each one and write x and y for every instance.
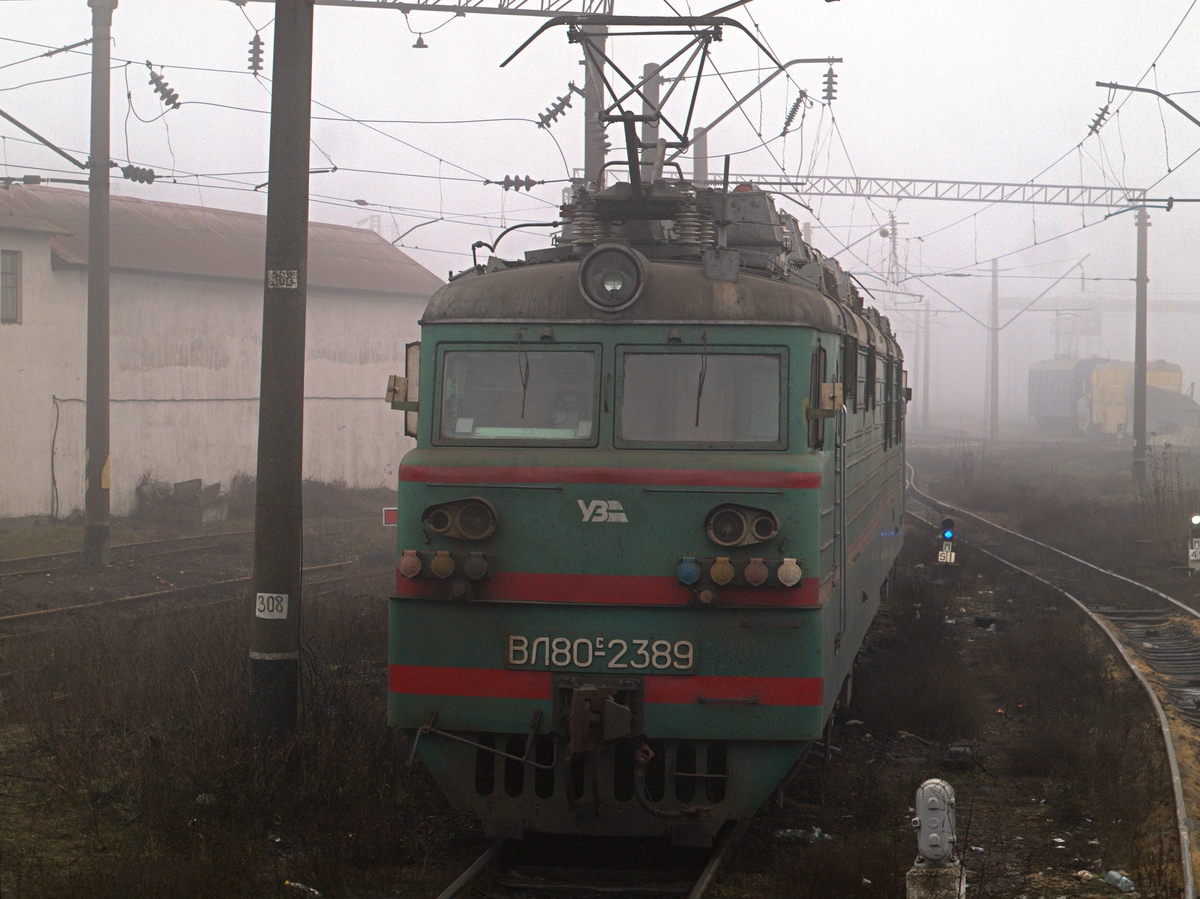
(1056, 389)
(656, 496)
(1110, 398)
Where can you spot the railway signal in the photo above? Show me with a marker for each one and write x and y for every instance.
(937, 873)
(946, 538)
(1194, 546)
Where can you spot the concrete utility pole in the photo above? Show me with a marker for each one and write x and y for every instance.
(925, 368)
(1139, 343)
(278, 523)
(994, 356)
(650, 109)
(700, 157)
(97, 528)
(594, 152)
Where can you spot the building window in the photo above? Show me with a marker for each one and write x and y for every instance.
(10, 287)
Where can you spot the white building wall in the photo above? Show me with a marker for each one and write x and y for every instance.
(185, 371)
(40, 358)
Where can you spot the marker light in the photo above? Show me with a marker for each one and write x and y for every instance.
(755, 573)
(476, 566)
(706, 595)
(947, 528)
(442, 565)
(789, 573)
(1196, 519)
(410, 563)
(688, 571)
(721, 572)
(611, 278)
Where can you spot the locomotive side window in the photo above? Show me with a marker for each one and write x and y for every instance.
(718, 399)
(872, 396)
(850, 374)
(860, 389)
(518, 395)
(816, 426)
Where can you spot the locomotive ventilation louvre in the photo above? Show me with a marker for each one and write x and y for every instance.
(684, 771)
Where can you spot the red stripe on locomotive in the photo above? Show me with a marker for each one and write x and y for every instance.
(674, 477)
(615, 589)
(499, 683)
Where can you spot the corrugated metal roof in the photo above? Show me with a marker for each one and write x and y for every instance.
(172, 238)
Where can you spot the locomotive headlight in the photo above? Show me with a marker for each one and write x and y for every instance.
(464, 519)
(734, 525)
(611, 277)
(475, 519)
(439, 520)
(726, 527)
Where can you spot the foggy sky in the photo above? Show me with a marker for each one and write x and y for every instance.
(950, 90)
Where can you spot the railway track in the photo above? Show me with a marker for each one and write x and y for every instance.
(1157, 636)
(535, 871)
(199, 591)
(50, 563)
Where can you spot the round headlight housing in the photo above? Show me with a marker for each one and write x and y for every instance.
(611, 278)
(726, 527)
(476, 519)
(730, 524)
(473, 518)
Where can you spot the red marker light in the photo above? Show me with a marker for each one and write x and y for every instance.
(755, 573)
(410, 563)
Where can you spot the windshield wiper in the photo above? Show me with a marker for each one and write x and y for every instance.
(523, 367)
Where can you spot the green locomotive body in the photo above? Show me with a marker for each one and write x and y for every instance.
(656, 496)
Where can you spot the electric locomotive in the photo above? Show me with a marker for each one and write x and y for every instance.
(655, 500)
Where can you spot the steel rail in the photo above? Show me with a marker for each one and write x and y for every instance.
(1181, 816)
(135, 546)
(728, 839)
(731, 839)
(1054, 549)
(472, 872)
(308, 585)
(157, 594)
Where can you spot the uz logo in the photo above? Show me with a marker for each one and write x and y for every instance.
(602, 510)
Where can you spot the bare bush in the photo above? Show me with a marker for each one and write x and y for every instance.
(140, 725)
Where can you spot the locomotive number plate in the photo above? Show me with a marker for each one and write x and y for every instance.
(600, 654)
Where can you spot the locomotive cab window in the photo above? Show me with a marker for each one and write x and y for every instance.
(518, 395)
(715, 397)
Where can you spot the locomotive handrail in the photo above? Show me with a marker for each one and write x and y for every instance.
(840, 450)
(428, 728)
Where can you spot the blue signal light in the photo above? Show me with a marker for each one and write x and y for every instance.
(947, 528)
(688, 571)
(947, 534)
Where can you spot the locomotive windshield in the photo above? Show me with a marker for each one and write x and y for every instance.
(519, 395)
(713, 398)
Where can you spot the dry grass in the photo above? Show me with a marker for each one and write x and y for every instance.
(136, 730)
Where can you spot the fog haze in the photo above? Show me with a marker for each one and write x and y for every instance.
(933, 90)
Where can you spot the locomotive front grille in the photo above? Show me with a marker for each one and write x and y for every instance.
(680, 771)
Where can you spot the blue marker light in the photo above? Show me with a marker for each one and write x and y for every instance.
(947, 528)
(688, 571)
